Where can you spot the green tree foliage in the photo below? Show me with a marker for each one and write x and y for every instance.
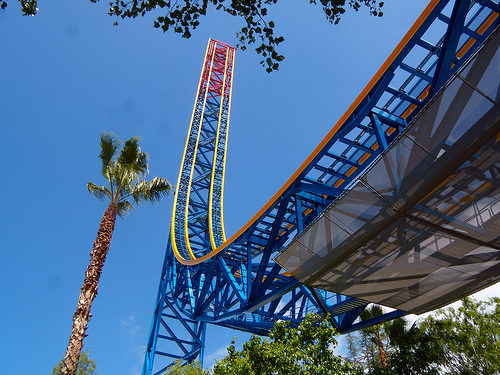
(28, 7)
(463, 341)
(469, 337)
(86, 366)
(307, 349)
(185, 16)
(368, 346)
(410, 350)
(374, 337)
(188, 369)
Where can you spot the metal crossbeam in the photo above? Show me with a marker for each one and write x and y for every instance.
(207, 278)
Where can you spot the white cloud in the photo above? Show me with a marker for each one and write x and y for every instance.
(209, 360)
(492, 291)
(138, 351)
(128, 320)
(130, 324)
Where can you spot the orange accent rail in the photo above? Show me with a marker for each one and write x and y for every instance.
(325, 140)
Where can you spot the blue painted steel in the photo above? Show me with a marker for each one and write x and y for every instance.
(242, 287)
(447, 56)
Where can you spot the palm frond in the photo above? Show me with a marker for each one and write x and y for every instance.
(138, 192)
(151, 191)
(124, 173)
(124, 207)
(109, 145)
(133, 158)
(159, 187)
(125, 179)
(101, 192)
(142, 162)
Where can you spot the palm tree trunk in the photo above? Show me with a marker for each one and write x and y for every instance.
(89, 290)
(382, 353)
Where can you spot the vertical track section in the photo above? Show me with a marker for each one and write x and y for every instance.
(197, 225)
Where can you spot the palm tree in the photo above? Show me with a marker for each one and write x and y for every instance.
(124, 176)
(375, 333)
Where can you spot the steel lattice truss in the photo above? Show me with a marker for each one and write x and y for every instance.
(235, 282)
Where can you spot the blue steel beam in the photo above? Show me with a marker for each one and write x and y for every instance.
(447, 56)
(238, 285)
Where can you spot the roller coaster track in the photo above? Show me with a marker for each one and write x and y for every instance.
(236, 282)
(197, 227)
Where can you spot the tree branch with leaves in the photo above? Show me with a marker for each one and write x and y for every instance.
(184, 16)
(303, 350)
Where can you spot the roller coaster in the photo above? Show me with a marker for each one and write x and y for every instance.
(363, 220)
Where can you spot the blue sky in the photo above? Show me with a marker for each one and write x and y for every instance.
(68, 74)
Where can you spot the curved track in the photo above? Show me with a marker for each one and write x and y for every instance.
(235, 282)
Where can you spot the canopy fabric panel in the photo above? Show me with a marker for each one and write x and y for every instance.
(420, 228)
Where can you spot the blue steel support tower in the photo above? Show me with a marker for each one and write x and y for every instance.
(237, 282)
